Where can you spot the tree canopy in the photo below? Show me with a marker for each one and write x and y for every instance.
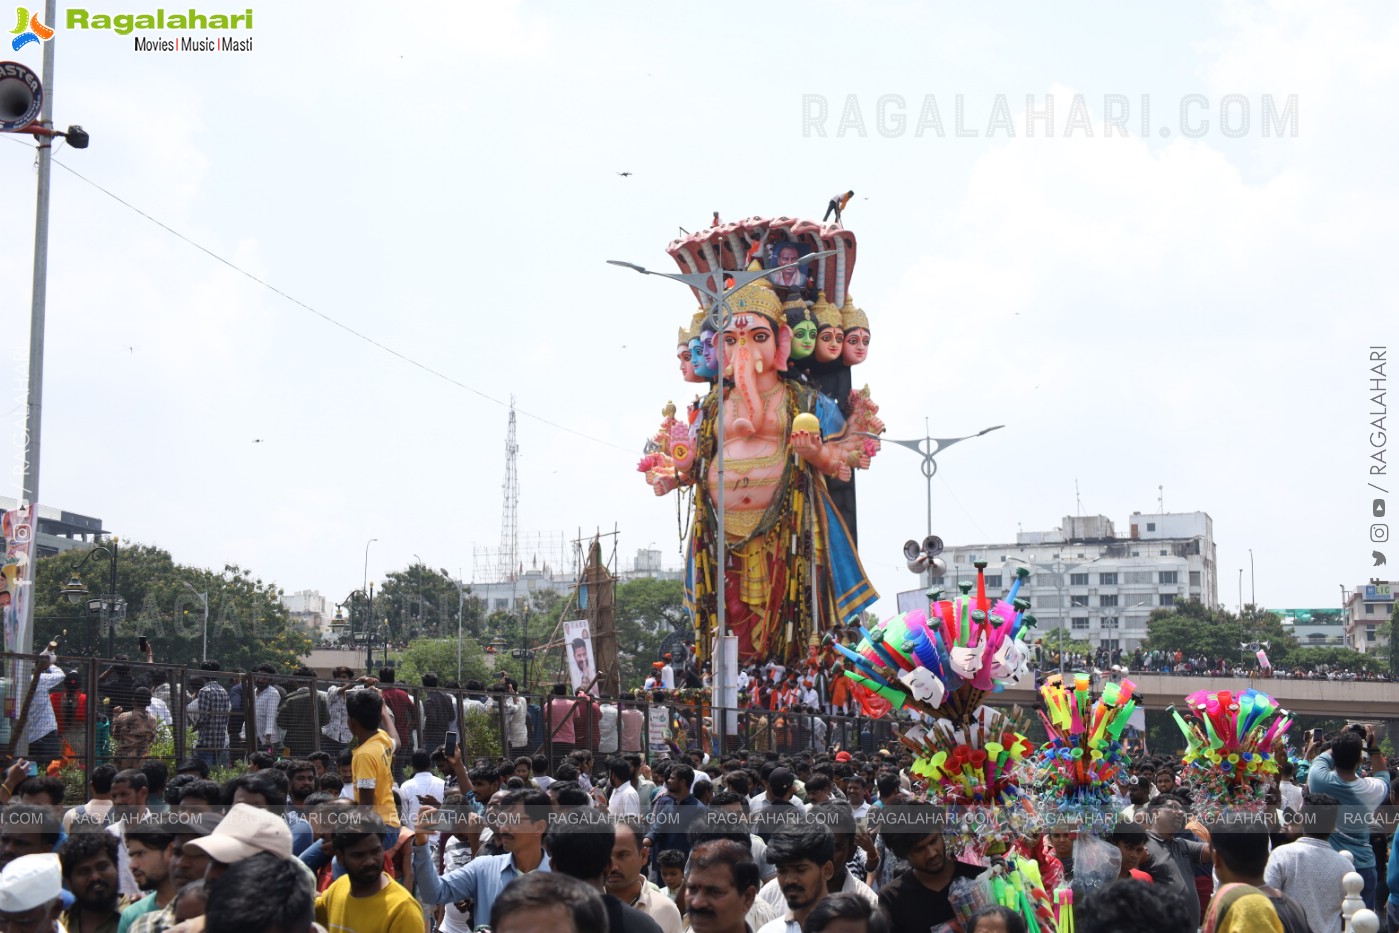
(248, 624)
(420, 601)
(1394, 643)
(647, 610)
(1060, 640)
(1197, 631)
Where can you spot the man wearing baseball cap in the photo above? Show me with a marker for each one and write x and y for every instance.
(242, 833)
(30, 890)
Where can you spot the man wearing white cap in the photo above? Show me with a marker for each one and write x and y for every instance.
(30, 889)
(243, 833)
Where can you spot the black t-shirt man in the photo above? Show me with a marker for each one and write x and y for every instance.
(913, 907)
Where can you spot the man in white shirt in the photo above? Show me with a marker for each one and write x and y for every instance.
(42, 728)
(625, 801)
(836, 817)
(268, 700)
(607, 728)
(516, 725)
(422, 784)
(1308, 870)
(857, 793)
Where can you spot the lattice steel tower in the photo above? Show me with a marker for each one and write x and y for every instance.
(510, 507)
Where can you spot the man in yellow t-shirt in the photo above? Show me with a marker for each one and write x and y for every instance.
(371, 764)
(364, 899)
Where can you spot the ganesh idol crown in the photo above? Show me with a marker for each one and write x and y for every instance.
(795, 434)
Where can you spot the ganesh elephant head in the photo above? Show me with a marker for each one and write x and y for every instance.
(757, 347)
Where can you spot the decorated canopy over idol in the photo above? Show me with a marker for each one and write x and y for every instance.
(794, 433)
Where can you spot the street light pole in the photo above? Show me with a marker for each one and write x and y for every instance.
(204, 598)
(107, 606)
(1059, 568)
(461, 606)
(43, 133)
(369, 634)
(1252, 582)
(934, 446)
(365, 584)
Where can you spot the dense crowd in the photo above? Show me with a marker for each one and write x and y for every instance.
(383, 834)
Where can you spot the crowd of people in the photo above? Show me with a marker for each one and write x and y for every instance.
(392, 832)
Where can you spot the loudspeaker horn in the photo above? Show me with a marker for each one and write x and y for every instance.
(21, 97)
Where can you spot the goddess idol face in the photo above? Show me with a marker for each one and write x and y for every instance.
(830, 342)
(803, 339)
(857, 346)
(702, 362)
(687, 367)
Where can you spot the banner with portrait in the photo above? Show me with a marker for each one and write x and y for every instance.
(16, 553)
(578, 654)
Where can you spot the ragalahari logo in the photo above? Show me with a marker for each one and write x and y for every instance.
(28, 29)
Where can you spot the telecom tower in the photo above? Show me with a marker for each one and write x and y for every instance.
(509, 513)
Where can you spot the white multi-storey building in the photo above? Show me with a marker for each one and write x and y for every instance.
(1098, 586)
(1368, 609)
(308, 608)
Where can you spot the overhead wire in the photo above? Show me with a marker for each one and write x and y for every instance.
(326, 317)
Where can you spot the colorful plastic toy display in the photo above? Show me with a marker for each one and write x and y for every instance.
(1230, 744)
(1076, 767)
(944, 661)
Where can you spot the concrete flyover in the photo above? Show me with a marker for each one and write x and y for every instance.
(1329, 699)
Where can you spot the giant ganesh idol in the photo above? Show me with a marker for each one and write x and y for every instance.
(792, 568)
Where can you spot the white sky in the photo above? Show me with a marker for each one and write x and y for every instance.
(1193, 313)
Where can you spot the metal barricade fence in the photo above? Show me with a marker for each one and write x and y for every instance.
(84, 697)
(309, 718)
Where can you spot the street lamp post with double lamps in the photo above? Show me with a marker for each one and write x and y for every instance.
(1059, 569)
(928, 448)
(367, 625)
(111, 606)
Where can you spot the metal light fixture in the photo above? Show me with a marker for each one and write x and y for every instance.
(75, 590)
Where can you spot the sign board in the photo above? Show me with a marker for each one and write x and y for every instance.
(910, 600)
(1379, 593)
(578, 652)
